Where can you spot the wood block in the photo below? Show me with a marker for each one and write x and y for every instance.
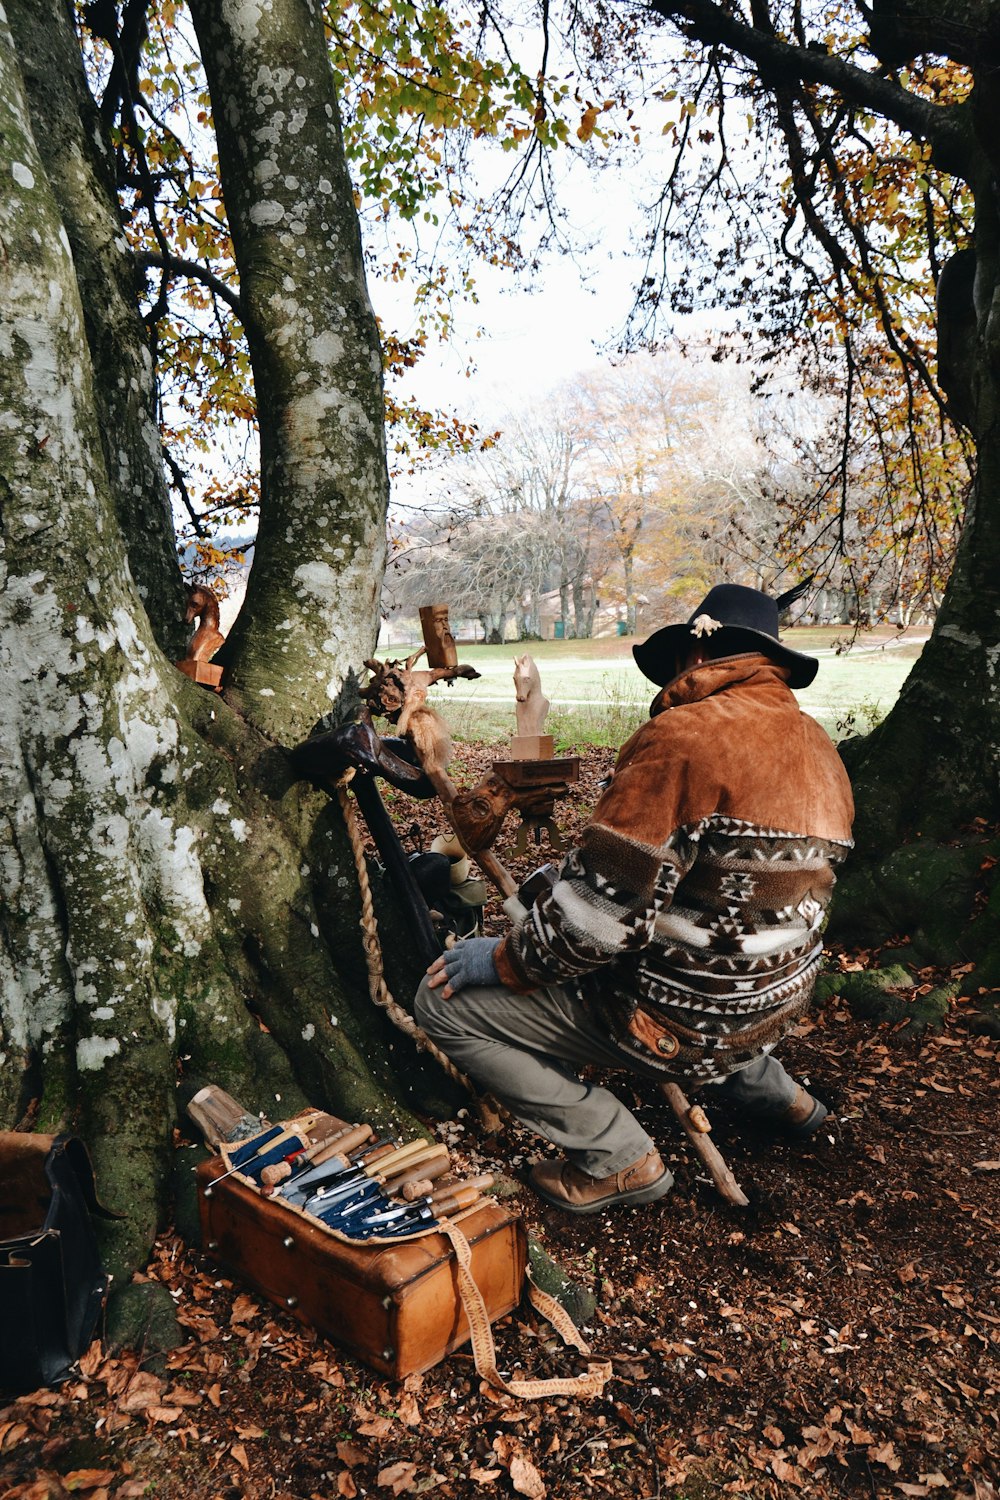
(204, 672)
(532, 747)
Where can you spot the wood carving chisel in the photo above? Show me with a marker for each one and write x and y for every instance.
(340, 1142)
(410, 1155)
(270, 1149)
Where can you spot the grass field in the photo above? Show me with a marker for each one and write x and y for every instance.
(599, 696)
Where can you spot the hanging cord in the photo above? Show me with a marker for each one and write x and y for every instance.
(377, 987)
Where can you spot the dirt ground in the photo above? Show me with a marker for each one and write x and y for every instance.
(838, 1338)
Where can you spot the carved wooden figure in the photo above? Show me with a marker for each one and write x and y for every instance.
(532, 709)
(438, 639)
(203, 606)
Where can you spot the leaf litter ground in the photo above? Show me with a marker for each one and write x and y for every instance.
(838, 1338)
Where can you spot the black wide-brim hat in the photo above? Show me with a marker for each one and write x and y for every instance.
(735, 618)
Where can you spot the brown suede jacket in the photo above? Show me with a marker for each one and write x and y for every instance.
(690, 913)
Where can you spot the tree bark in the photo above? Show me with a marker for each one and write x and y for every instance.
(77, 160)
(310, 615)
(170, 899)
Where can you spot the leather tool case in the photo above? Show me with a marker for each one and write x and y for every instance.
(396, 1304)
(52, 1286)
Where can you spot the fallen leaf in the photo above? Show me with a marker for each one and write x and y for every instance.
(397, 1477)
(88, 1479)
(243, 1308)
(166, 1414)
(351, 1454)
(787, 1473)
(408, 1411)
(142, 1391)
(886, 1454)
(525, 1477)
(346, 1485)
(485, 1476)
(378, 1427)
(91, 1362)
(240, 1454)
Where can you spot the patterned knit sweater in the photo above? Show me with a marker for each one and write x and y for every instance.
(690, 913)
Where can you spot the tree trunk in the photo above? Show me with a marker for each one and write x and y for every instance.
(311, 609)
(932, 768)
(71, 142)
(169, 899)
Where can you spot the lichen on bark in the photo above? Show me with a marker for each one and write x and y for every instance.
(312, 600)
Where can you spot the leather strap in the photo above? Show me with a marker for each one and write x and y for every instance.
(484, 1349)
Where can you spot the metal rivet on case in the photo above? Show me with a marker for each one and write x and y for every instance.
(291, 1301)
(208, 1192)
(667, 1044)
(212, 1245)
(288, 1242)
(388, 1353)
(387, 1302)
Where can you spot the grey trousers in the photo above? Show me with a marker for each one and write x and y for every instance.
(525, 1049)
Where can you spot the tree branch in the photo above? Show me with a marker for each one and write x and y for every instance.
(781, 62)
(196, 271)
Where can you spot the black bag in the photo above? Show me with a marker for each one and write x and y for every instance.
(52, 1285)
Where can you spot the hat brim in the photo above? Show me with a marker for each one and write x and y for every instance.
(658, 658)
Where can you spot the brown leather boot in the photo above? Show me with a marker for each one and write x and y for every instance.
(804, 1115)
(565, 1186)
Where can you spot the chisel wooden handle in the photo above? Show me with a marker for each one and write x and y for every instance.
(392, 1170)
(339, 1141)
(342, 1145)
(377, 1154)
(481, 1183)
(424, 1172)
(405, 1156)
(454, 1202)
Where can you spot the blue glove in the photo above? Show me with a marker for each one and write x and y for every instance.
(470, 962)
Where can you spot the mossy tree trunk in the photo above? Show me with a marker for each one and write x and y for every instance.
(927, 780)
(170, 900)
(313, 591)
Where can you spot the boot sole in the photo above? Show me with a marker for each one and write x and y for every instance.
(647, 1194)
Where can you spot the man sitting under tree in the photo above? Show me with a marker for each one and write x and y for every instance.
(682, 937)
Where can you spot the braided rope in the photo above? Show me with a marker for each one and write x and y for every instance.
(377, 987)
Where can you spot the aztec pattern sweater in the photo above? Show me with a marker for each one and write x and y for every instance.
(690, 913)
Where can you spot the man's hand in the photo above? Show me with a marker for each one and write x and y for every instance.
(469, 962)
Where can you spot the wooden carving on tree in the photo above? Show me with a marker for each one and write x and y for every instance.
(203, 606)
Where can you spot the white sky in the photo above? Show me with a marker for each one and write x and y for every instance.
(538, 335)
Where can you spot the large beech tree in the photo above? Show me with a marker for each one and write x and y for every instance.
(170, 899)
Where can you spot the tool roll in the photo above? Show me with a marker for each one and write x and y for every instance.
(375, 1243)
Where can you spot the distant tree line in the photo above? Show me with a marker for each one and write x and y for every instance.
(632, 488)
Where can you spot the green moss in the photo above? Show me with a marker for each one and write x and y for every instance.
(143, 1317)
(887, 995)
(550, 1277)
